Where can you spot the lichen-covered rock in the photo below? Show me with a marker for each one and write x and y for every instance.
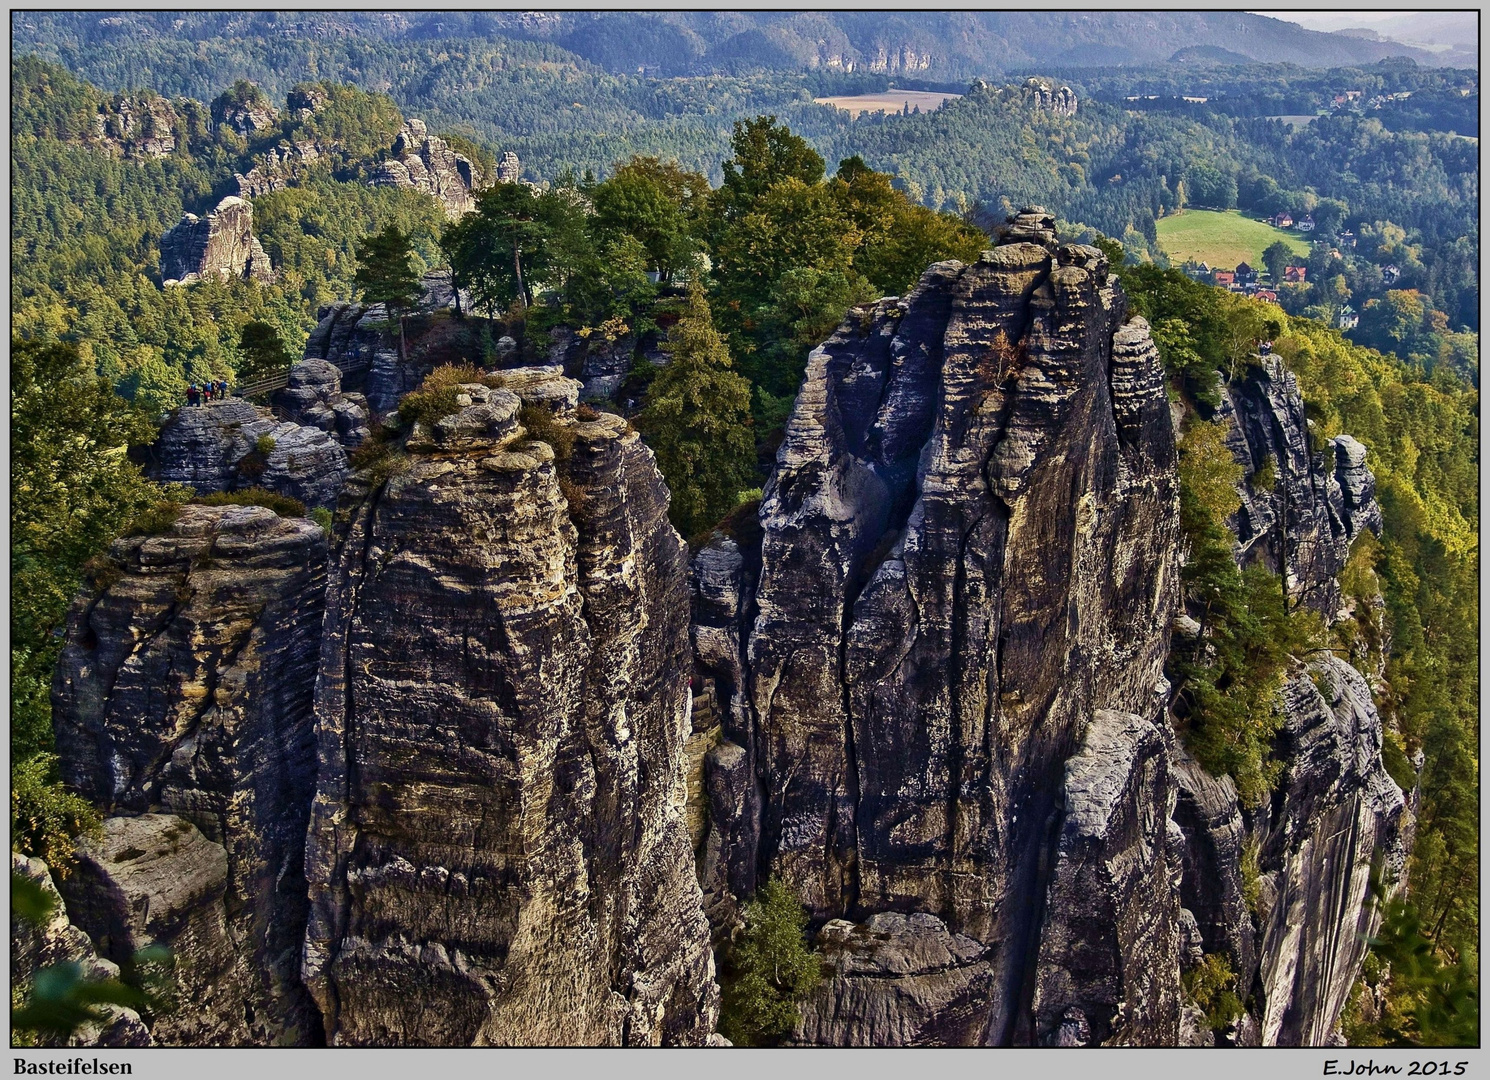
(232, 445)
(1303, 522)
(897, 980)
(498, 852)
(139, 126)
(1339, 813)
(221, 245)
(314, 398)
(184, 687)
(427, 163)
(354, 336)
(58, 941)
(970, 548)
(155, 880)
(1110, 944)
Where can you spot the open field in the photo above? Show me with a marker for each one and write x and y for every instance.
(1221, 239)
(1296, 120)
(889, 101)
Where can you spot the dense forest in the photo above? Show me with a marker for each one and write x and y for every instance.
(663, 207)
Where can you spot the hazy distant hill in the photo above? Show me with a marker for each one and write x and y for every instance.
(946, 44)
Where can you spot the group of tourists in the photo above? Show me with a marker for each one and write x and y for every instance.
(207, 392)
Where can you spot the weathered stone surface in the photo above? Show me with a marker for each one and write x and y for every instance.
(58, 941)
(246, 118)
(970, 548)
(314, 398)
(1302, 524)
(220, 245)
(498, 852)
(1339, 810)
(1110, 944)
(1208, 814)
(216, 447)
(897, 980)
(139, 126)
(353, 336)
(426, 162)
(155, 880)
(184, 687)
(600, 364)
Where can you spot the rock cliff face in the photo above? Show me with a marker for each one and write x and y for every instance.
(144, 126)
(217, 447)
(185, 688)
(220, 245)
(498, 853)
(346, 334)
(969, 553)
(1318, 501)
(426, 162)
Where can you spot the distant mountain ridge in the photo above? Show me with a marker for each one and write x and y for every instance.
(937, 44)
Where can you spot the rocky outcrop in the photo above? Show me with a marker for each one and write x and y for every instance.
(232, 445)
(353, 336)
(599, 363)
(144, 126)
(1340, 816)
(281, 166)
(220, 245)
(498, 853)
(1301, 506)
(314, 399)
(897, 980)
(57, 941)
(184, 688)
(1047, 96)
(426, 163)
(155, 880)
(244, 114)
(969, 550)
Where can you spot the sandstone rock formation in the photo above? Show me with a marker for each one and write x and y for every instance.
(185, 688)
(144, 126)
(314, 398)
(426, 162)
(352, 335)
(1045, 95)
(1318, 501)
(154, 880)
(220, 245)
(246, 116)
(498, 853)
(220, 447)
(58, 941)
(969, 551)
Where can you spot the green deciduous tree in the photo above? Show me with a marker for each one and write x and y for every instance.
(769, 970)
(264, 353)
(697, 421)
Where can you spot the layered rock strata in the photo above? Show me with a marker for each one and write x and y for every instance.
(969, 551)
(498, 852)
(56, 940)
(220, 245)
(185, 688)
(232, 445)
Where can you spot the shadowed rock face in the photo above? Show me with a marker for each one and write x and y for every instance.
(498, 852)
(314, 398)
(185, 688)
(969, 549)
(220, 245)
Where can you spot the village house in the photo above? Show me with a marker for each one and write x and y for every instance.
(1294, 273)
(1245, 275)
(1347, 319)
(1306, 224)
(1268, 295)
(1282, 220)
(1347, 239)
(1389, 274)
(1224, 278)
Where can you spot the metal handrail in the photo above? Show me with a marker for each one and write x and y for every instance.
(278, 382)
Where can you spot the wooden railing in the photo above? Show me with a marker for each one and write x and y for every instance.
(270, 383)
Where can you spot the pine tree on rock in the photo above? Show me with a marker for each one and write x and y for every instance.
(697, 422)
(385, 276)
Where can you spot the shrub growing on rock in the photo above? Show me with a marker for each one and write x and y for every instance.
(768, 970)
